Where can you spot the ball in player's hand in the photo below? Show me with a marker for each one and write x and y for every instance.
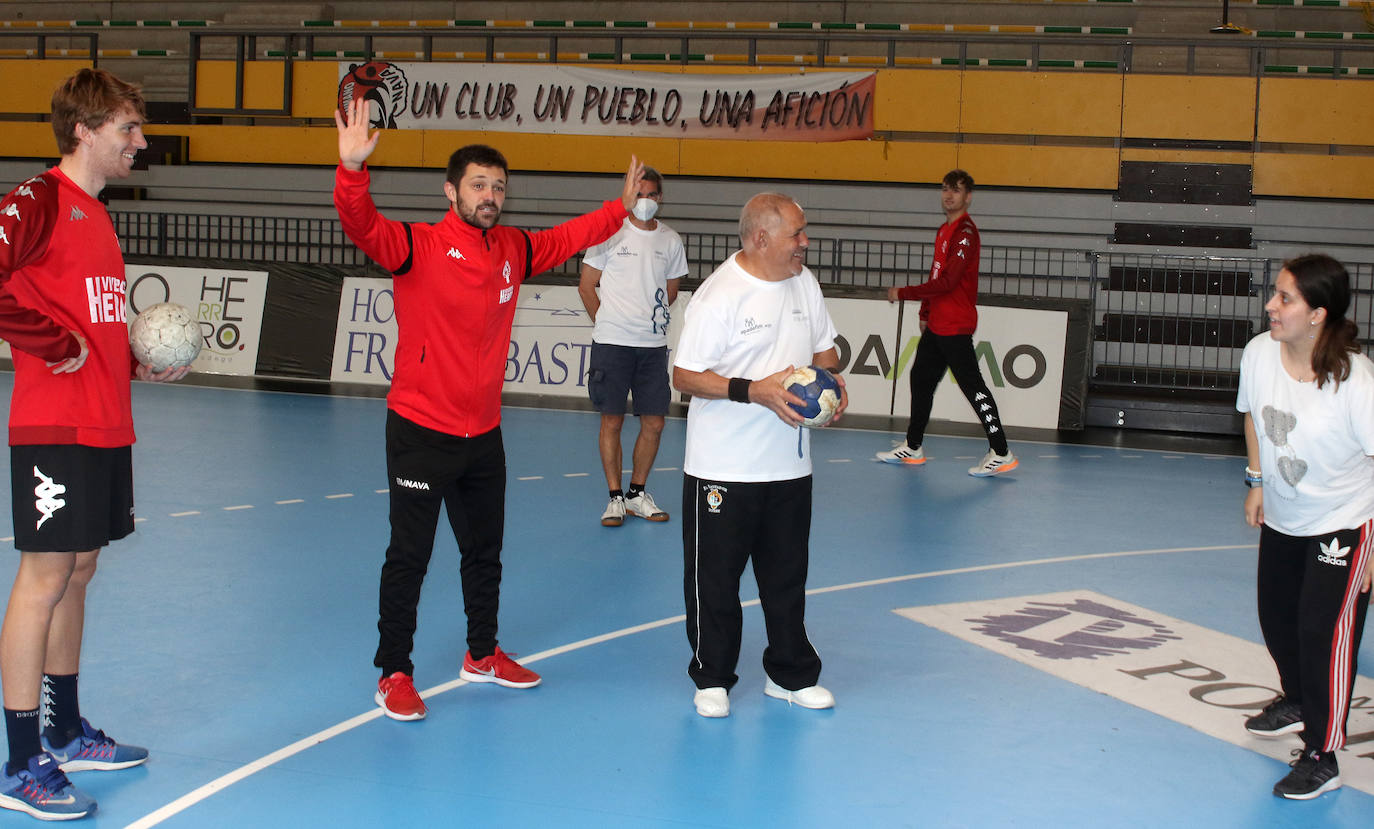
(165, 336)
(819, 391)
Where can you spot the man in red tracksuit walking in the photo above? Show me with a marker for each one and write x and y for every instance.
(455, 286)
(949, 316)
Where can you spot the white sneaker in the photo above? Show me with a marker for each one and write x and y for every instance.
(643, 505)
(901, 453)
(813, 697)
(614, 515)
(712, 702)
(994, 464)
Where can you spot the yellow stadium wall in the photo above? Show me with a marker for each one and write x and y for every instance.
(1019, 129)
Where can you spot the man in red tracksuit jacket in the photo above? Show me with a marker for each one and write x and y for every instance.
(455, 285)
(949, 316)
(62, 301)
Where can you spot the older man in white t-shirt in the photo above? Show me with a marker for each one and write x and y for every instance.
(747, 475)
(627, 284)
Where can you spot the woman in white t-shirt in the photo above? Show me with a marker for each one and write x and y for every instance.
(1308, 398)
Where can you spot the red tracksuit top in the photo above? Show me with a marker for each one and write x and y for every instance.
(950, 296)
(455, 288)
(61, 270)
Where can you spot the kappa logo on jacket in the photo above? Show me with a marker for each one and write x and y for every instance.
(77, 215)
(455, 253)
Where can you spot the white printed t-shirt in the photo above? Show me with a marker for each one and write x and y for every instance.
(635, 268)
(738, 325)
(1315, 444)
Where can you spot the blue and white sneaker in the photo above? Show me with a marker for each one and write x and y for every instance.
(91, 750)
(42, 790)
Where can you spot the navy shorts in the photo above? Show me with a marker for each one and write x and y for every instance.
(70, 498)
(618, 371)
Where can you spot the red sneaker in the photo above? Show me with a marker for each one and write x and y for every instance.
(498, 668)
(396, 694)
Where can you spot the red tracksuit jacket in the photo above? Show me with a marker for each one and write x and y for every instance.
(951, 294)
(455, 288)
(61, 270)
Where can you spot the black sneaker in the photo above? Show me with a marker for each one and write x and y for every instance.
(1278, 717)
(1313, 772)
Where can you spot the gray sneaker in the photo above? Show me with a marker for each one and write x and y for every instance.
(614, 515)
(643, 506)
(994, 464)
(901, 453)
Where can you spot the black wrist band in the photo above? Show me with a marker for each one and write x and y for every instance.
(739, 389)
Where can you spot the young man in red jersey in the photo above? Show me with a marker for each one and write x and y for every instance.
(62, 301)
(949, 316)
(455, 285)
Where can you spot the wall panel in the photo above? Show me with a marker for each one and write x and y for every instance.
(1091, 168)
(1316, 111)
(29, 84)
(917, 100)
(1041, 103)
(1314, 176)
(1189, 107)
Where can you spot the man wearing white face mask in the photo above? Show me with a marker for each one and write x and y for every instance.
(637, 271)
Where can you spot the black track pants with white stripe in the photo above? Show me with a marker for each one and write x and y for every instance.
(725, 524)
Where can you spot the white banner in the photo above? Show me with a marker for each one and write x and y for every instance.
(365, 338)
(1022, 358)
(1020, 352)
(1196, 676)
(580, 100)
(228, 305)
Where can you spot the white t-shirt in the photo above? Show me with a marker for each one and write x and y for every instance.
(635, 268)
(738, 325)
(1314, 444)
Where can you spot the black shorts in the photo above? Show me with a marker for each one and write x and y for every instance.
(620, 370)
(70, 498)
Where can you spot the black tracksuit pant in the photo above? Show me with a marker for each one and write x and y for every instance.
(467, 476)
(726, 524)
(935, 354)
(1312, 614)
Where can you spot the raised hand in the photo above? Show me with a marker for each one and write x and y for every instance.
(355, 144)
(633, 176)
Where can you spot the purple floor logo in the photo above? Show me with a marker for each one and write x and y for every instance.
(1078, 629)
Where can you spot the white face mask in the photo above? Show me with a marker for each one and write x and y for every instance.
(645, 209)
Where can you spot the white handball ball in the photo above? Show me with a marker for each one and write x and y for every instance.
(819, 391)
(165, 336)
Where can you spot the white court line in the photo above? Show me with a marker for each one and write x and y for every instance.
(291, 501)
(239, 507)
(190, 799)
(184, 514)
(340, 495)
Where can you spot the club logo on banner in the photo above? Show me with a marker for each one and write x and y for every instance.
(559, 99)
(1204, 679)
(227, 304)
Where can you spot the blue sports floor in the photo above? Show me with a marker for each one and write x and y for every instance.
(233, 636)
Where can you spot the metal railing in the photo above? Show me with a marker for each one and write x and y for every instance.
(1161, 322)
